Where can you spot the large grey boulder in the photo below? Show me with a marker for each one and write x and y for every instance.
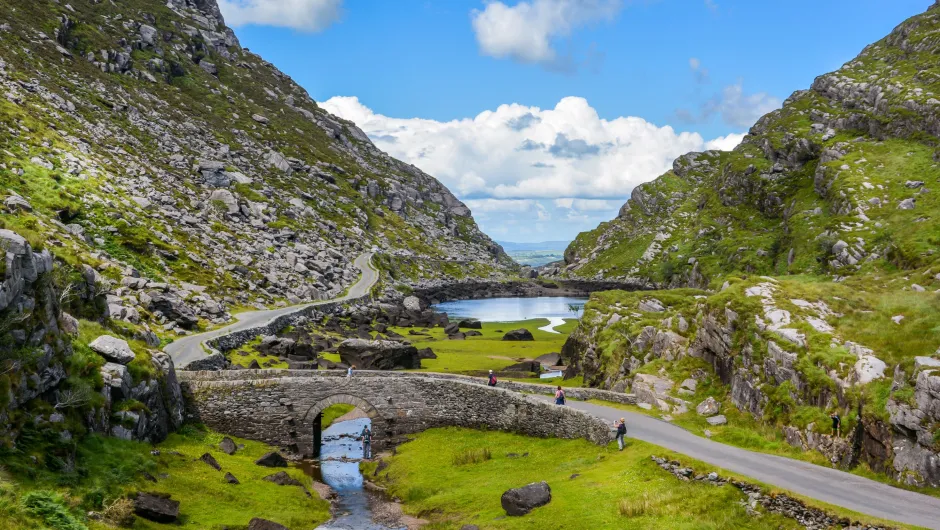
(272, 459)
(156, 507)
(113, 349)
(709, 407)
(378, 354)
(520, 501)
(521, 334)
(173, 307)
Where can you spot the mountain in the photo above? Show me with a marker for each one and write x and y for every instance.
(795, 276)
(145, 145)
(511, 246)
(535, 254)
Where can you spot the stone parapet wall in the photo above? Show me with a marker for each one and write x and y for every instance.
(279, 407)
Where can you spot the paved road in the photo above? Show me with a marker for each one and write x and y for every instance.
(188, 349)
(817, 482)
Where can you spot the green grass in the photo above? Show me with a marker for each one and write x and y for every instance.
(612, 489)
(331, 413)
(109, 468)
(489, 351)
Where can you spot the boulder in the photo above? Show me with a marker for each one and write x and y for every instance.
(520, 501)
(113, 349)
(230, 478)
(412, 303)
(521, 334)
(156, 507)
(210, 461)
(470, 324)
(281, 478)
(264, 524)
(211, 363)
(378, 354)
(652, 390)
(227, 446)
(272, 459)
(452, 328)
(717, 420)
(651, 305)
(174, 308)
(426, 353)
(709, 407)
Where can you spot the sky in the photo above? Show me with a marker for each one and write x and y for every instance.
(543, 115)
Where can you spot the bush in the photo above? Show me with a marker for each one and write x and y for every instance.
(51, 509)
(119, 513)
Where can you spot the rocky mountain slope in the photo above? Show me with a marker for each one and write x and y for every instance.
(142, 142)
(798, 274)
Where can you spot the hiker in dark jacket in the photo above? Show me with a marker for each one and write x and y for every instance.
(836, 424)
(621, 432)
(366, 437)
(492, 380)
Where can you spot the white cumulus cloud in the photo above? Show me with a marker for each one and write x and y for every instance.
(564, 168)
(525, 32)
(303, 15)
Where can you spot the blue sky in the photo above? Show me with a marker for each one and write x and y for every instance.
(613, 90)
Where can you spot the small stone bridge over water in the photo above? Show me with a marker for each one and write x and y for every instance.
(282, 407)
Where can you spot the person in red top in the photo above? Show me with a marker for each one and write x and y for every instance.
(492, 380)
(559, 396)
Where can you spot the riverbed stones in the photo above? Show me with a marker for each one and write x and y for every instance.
(272, 459)
(379, 354)
(113, 349)
(520, 501)
(156, 507)
(521, 334)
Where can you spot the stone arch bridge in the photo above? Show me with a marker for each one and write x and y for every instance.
(282, 407)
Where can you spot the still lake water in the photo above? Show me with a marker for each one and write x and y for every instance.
(514, 309)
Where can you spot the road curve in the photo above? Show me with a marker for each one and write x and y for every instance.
(188, 349)
(822, 483)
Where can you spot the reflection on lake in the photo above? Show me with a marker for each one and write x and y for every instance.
(514, 309)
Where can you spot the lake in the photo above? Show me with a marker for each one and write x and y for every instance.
(553, 308)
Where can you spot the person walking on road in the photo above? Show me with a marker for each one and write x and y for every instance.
(836, 424)
(349, 371)
(621, 432)
(492, 380)
(366, 437)
(559, 396)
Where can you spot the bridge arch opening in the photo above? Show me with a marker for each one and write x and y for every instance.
(314, 416)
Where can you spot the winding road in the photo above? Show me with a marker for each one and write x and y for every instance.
(809, 480)
(188, 349)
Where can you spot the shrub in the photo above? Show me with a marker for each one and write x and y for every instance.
(51, 509)
(119, 513)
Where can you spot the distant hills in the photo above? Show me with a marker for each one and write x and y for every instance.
(535, 254)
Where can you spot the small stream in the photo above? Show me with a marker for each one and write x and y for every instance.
(353, 511)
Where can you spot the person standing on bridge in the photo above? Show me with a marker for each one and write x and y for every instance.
(559, 396)
(492, 380)
(366, 437)
(621, 432)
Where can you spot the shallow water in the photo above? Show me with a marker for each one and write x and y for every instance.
(353, 511)
(514, 309)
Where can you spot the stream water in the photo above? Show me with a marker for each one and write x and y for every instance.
(353, 510)
(553, 308)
